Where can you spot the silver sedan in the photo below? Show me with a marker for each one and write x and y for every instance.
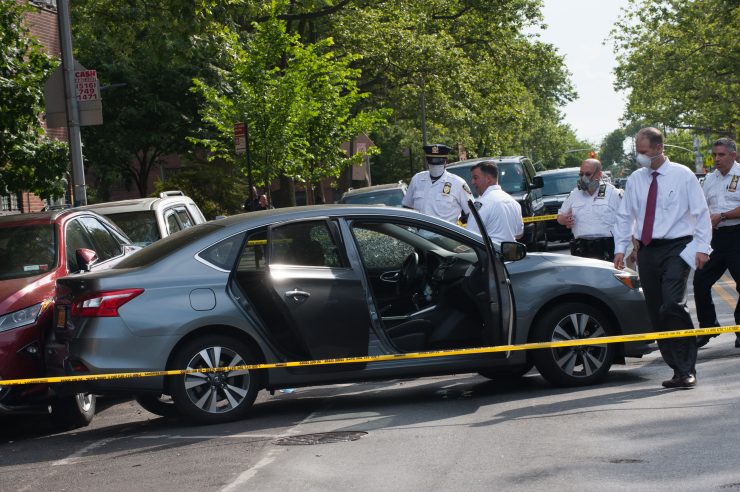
(335, 281)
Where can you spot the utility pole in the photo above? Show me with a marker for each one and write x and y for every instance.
(73, 114)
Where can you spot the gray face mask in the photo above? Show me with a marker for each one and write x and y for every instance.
(587, 185)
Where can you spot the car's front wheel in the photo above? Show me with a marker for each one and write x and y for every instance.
(573, 366)
(71, 412)
(214, 397)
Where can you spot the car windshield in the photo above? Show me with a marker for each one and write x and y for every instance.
(380, 197)
(558, 184)
(511, 176)
(26, 251)
(140, 227)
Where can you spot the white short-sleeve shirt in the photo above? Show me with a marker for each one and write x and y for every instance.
(500, 213)
(594, 215)
(723, 193)
(446, 198)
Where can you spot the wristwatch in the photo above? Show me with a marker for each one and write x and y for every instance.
(722, 217)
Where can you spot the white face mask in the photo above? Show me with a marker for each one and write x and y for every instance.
(645, 160)
(436, 170)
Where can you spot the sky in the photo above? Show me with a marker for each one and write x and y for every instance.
(578, 29)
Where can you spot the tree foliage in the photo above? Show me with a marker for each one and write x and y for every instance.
(679, 61)
(28, 161)
(145, 45)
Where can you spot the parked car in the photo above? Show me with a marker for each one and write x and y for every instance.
(385, 194)
(557, 185)
(517, 177)
(336, 281)
(146, 220)
(36, 250)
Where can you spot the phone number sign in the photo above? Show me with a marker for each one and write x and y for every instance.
(86, 84)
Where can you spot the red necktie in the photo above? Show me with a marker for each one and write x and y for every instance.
(647, 224)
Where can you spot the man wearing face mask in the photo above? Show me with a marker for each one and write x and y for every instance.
(722, 189)
(437, 192)
(590, 211)
(666, 216)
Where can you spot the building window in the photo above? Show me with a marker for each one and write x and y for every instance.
(9, 202)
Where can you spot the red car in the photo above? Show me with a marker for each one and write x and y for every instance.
(35, 250)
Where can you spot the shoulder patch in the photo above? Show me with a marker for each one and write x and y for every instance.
(478, 205)
(467, 190)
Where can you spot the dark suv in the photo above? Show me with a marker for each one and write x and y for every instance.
(557, 185)
(517, 178)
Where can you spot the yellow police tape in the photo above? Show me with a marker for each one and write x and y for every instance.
(377, 358)
(539, 218)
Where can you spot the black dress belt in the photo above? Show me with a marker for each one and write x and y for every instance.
(664, 242)
(732, 228)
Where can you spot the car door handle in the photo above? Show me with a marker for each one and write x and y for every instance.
(298, 296)
(390, 276)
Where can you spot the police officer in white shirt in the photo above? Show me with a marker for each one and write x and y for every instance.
(590, 211)
(722, 189)
(665, 213)
(437, 192)
(500, 213)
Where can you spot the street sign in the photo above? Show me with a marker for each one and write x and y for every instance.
(86, 84)
(87, 92)
(240, 138)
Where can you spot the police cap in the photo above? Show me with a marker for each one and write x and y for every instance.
(436, 153)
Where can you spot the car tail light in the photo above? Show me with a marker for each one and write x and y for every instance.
(103, 304)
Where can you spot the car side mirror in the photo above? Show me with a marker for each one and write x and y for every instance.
(85, 259)
(538, 182)
(513, 251)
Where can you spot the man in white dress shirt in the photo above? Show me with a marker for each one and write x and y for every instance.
(722, 189)
(664, 211)
(437, 192)
(590, 211)
(500, 213)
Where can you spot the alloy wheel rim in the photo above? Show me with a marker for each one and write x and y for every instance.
(85, 401)
(584, 360)
(217, 392)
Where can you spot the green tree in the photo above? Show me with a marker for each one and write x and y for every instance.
(145, 48)
(28, 161)
(679, 62)
(298, 102)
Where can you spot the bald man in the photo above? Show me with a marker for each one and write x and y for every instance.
(590, 212)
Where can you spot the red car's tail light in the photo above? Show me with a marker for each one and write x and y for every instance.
(103, 304)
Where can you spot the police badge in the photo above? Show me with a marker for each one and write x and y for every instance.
(478, 205)
(733, 184)
(447, 188)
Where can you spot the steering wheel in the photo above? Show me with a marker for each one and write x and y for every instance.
(410, 276)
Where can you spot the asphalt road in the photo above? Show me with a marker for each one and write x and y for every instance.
(444, 433)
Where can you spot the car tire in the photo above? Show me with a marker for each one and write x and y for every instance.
(214, 398)
(161, 405)
(506, 374)
(72, 412)
(573, 366)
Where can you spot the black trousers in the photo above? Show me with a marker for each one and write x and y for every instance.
(725, 256)
(600, 248)
(664, 276)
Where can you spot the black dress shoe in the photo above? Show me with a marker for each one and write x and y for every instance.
(681, 382)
